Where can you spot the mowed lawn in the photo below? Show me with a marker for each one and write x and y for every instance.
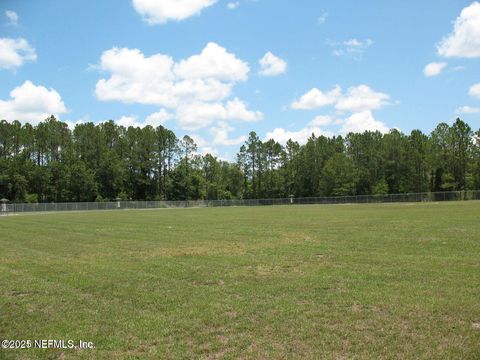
(391, 281)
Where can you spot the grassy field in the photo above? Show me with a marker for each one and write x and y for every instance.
(334, 282)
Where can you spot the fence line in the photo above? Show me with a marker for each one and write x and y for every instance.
(356, 199)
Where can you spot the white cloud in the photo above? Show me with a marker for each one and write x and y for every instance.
(468, 110)
(161, 11)
(31, 103)
(281, 135)
(158, 118)
(72, 123)
(464, 41)
(158, 80)
(353, 48)
(154, 120)
(474, 90)
(199, 140)
(272, 65)
(322, 120)
(214, 62)
(316, 98)
(196, 115)
(362, 121)
(358, 98)
(434, 69)
(208, 150)
(136, 78)
(196, 88)
(233, 5)
(12, 17)
(301, 136)
(221, 135)
(15, 52)
(128, 121)
(358, 122)
(361, 98)
(203, 146)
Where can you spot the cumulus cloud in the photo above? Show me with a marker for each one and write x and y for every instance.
(203, 146)
(158, 118)
(162, 11)
(361, 98)
(272, 65)
(359, 101)
(196, 88)
(468, 110)
(301, 136)
(158, 80)
(31, 103)
(214, 62)
(322, 120)
(316, 98)
(136, 78)
(357, 122)
(221, 135)
(357, 98)
(199, 140)
(281, 135)
(434, 69)
(128, 121)
(12, 17)
(196, 115)
(474, 90)
(155, 119)
(72, 123)
(464, 41)
(15, 52)
(362, 121)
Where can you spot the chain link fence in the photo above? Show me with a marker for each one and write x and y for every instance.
(11, 208)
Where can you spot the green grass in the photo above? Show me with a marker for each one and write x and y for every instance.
(338, 281)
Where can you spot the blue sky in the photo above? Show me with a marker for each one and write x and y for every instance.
(195, 65)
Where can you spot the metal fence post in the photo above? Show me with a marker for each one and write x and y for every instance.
(4, 206)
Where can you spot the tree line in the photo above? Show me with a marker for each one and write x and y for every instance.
(99, 162)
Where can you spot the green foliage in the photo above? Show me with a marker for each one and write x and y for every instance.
(338, 176)
(380, 188)
(31, 198)
(109, 161)
(448, 182)
(123, 196)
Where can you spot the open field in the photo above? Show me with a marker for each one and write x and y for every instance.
(334, 282)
